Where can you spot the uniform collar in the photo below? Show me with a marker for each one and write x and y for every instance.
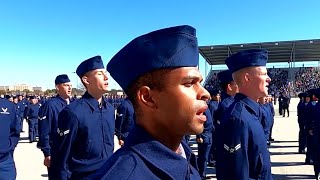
(61, 99)
(224, 95)
(254, 106)
(157, 154)
(92, 102)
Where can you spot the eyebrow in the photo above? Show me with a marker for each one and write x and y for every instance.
(192, 78)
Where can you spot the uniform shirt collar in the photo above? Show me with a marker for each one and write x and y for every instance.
(157, 154)
(224, 95)
(61, 99)
(92, 102)
(254, 106)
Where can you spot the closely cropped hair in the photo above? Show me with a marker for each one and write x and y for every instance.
(154, 80)
(238, 75)
(224, 86)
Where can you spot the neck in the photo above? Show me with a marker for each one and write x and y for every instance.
(165, 137)
(95, 95)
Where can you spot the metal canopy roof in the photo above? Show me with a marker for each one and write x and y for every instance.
(282, 51)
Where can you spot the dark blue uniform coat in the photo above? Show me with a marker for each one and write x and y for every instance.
(125, 119)
(142, 157)
(85, 140)
(48, 122)
(9, 137)
(242, 146)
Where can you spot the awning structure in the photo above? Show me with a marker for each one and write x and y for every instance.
(281, 51)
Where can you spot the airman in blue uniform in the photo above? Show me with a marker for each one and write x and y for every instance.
(229, 90)
(302, 122)
(266, 118)
(285, 103)
(48, 117)
(85, 127)
(158, 71)
(310, 120)
(213, 107)
(242, 146)
(9, 137)
(125, 120)
(22, 104)
(316, 136)
(270, 106)
(32, 114)
(204, 141)
(280, 99)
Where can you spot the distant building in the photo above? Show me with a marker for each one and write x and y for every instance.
(37, 88)
(21, 87)
(4, 88)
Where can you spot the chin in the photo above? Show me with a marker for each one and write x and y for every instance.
(197, 130)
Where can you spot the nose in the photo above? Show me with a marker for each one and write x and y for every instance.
(268, 78)
(106, 76)
(203, 94)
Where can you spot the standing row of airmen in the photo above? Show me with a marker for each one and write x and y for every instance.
(159, 73)
(308, 112)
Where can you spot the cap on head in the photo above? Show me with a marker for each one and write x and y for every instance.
(62, 78)
(165, 48)
(225, 76)
(247, 58)
(89, 65)
(32, 97)
(214, 92)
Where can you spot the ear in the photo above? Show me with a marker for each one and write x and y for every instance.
(57, 87)
(247, 77)
(85, 80)
(144, 96)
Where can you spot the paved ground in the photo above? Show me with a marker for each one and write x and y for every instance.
(286, 163)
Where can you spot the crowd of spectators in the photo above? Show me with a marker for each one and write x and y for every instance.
(279, 80)
(307, 78)
(212, 83)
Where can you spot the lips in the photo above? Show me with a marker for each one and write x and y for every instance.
(200, 114)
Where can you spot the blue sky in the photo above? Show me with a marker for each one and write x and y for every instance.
(40, 39)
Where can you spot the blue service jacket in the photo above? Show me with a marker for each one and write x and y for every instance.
(22, 104)
(32, 111)
(300, 112)
(85, 137)
(9, 127)
(143, 157)
(242, 146)
(124, 119)
(213, 107)
(226, 101)
(317, 121)
(266, 119)
(311, 115)
(206, 135)
(48, 123)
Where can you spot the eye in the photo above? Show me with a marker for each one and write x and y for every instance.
(188, 84)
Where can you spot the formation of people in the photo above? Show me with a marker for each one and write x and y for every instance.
(308, 112)
(165, 104)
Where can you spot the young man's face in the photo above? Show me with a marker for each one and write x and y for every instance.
(233, 88)
(98, 80)
(259, 81)
(64, 89)
(216, 97)
(182, 102)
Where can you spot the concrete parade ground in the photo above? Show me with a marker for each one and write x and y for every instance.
(286, 162)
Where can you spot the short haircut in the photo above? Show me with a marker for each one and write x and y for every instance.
(154, 80)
